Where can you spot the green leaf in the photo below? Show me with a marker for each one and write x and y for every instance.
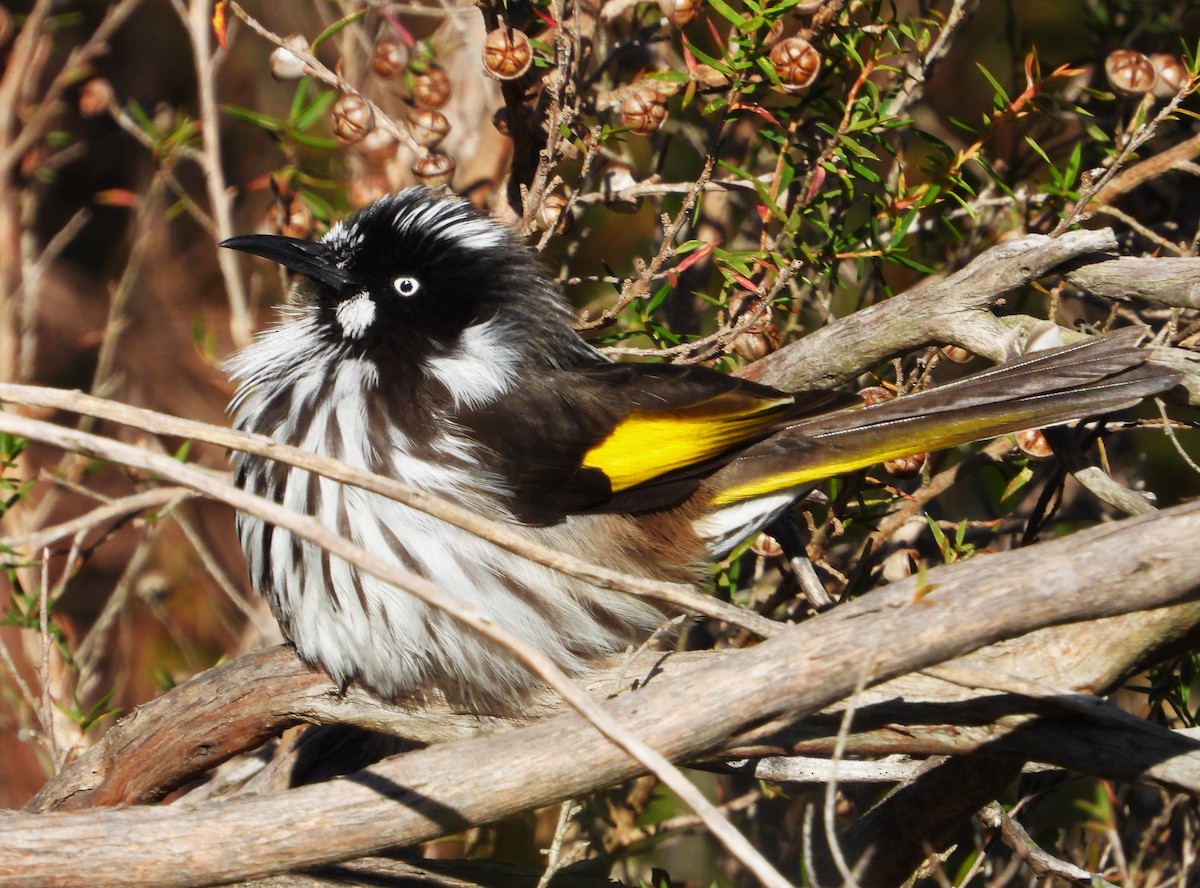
(338, 26)
(320, 143)
(730, 15)
(721, 66)
(317, 109)
(1000, 95)
(1019, 480)
(270, 124)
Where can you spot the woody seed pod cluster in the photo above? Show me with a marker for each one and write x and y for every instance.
(389, 58)
(615, 178)
(1033, 444)
(906, 466)
(367, 188)
(352, 118)
(796, 62)
(428, 126)
(431, 87)
(1129, 72)
(549, 216)
(874, 394)
(291, 217)
(1172, 74)
(758, 339)
(96, 97)
(643, 109)
(500, 121)
(679, 12)
(377, 146)
(434, 169)
(284, 63)
(956, 353)
(507, 53)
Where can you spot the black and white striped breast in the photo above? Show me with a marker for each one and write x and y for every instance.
(355, 626)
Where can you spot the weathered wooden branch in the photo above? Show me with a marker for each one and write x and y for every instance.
(955, 309)
(1140, 564)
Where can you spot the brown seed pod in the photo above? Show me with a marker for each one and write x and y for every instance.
(96, 97)
(549, 216)
(1129, 72)
(352, 118)
(1033, 444)
(500, 122)
(708, 77)
(774, 33)
(644, 110)
(766, 546)
(290, 216)
(680, 12)
(875, 394)
(389, 58)
(284, 63)
(434, 169)
(956, 353)
(428, 126)
(808, 7)
(796, 62)
(755, 344)
(615, 178)
(431, 87)
(507, 53)
(378, 146)
(1172, 74)
(906, 466)
(364, 190)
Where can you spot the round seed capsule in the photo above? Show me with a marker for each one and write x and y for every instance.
(507, 53)
(434, 169)
(796, 62)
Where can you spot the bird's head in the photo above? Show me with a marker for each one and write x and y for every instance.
(412, 272)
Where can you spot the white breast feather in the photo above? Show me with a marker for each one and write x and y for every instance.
(370, 630)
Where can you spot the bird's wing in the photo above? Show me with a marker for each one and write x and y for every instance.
(627, 437)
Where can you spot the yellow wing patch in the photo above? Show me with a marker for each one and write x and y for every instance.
(861, 450)
(647, 444)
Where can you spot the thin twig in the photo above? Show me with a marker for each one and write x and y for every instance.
(35, 126)
(1139, 138)
(44, 664)
(157, 498)
(30, 288)
(839, 750)
(199, 27)
(315, 68)
(1042, 863)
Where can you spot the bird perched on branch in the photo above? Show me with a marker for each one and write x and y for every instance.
(422, 341)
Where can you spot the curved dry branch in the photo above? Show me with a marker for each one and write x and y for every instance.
(1142, 563)
(953, 309)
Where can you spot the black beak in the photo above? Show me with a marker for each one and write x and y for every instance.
(303, 257)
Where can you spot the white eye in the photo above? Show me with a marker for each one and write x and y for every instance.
(406, 286)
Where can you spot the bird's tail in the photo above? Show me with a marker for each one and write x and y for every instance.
(1037, 390)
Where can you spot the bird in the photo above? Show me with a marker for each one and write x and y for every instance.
(422, 340)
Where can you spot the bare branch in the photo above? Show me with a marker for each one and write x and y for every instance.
(443, 789)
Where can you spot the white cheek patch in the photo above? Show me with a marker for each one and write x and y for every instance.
(480, 370)
(355, 315)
